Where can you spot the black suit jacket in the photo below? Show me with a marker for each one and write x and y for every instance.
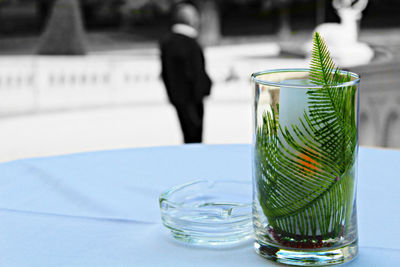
(183, 70)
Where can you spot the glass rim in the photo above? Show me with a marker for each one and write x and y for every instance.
(278, 84)
(166, 195)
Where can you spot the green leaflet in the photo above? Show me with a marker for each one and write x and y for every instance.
(305, 177)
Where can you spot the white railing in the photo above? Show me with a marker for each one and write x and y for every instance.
(39, 84)
(35, 84)
(380, 118)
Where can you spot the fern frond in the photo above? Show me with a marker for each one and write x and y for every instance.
(305, 172)
(321, 66)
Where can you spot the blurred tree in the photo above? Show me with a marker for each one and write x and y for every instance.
(210, 30)
(284, 31)
(139, 11)
(43, 8)
(90, 9)
(320, 16)
(64, 33)
(210, 27)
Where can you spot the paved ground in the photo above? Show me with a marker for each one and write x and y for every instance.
(112, 128)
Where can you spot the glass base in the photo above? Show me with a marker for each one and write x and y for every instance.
(226, 240)
(301, 257)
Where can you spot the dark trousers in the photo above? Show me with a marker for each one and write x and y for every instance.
(191, 119)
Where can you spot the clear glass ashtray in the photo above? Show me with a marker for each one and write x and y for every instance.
(210, 213)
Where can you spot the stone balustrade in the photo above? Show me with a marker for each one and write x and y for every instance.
(380, 104)
(42, 84)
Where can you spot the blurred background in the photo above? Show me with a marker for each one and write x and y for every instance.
(84, 75)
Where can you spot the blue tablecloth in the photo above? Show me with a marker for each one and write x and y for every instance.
(101, 208)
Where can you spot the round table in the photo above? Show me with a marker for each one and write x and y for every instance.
(101, 208)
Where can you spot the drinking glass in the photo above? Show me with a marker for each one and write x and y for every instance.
(305, 168)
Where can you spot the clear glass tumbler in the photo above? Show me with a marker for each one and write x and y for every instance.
(305, 168)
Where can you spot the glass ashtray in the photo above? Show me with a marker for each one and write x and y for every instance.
(210, 213)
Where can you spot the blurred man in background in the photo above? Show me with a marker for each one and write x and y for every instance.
(183, 71)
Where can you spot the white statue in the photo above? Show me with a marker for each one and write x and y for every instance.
(342, 38)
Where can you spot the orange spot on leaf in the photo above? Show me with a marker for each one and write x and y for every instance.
(308, 163)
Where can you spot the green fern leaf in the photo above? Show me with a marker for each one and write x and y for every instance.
(305, 174)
